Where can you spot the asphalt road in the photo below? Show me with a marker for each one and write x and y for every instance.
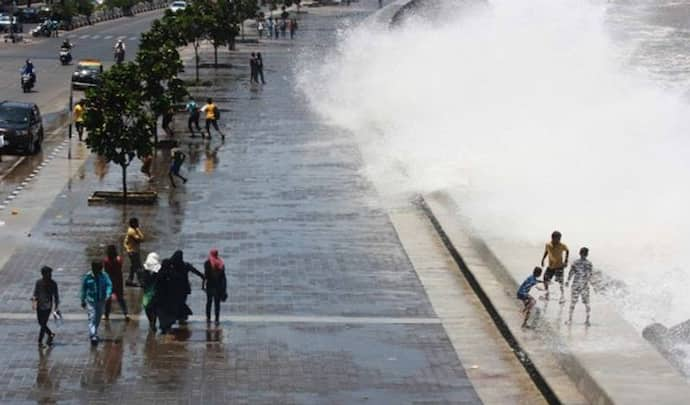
(51, 92)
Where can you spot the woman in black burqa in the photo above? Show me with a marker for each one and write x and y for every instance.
(183, 289)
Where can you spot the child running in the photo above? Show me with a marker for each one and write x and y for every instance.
(580, 273)
(523, 293)
(554, 250)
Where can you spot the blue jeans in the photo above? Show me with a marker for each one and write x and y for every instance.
(95, 312)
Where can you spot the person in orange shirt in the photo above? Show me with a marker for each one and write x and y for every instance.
(212, 115)
(79, 118)
(133, 239)
(557, 253)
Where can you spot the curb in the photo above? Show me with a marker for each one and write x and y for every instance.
(539, 380)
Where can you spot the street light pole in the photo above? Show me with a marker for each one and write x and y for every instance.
(69, 115)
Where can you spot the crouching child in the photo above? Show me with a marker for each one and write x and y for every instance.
(523, 293)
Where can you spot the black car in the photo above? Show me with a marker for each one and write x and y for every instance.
(28, 15)
(21, 127)
(87, 74)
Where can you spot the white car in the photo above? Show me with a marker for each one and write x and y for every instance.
(176, 6)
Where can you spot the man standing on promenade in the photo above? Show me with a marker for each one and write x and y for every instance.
(253, 69)
(45, 298)
(260, 68)
(132, 242)
(96, 288)
(555, 250)
(580, 273)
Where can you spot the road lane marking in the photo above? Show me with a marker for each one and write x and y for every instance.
(122, 37)
(83, 37)
(95, 36)
(132, 38)
(107, 37)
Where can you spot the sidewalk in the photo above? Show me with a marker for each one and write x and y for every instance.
(325, 304)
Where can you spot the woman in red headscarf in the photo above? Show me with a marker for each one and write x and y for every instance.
(215, 284)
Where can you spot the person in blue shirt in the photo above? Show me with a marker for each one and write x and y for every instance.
(28, 68)
(523, 293)
(96, 288)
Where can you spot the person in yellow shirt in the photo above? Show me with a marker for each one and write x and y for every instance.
(212, 114)
(79, 118)
(557, 253)
(133, 239)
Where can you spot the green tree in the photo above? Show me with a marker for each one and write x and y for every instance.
(193, 24)
(220, 31)
(244, 10)
(118, 124)
(160, 63)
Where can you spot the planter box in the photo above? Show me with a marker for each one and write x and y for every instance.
(116, 197)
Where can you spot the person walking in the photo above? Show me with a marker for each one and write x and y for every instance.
(132, 242)
(283, 27)
(78, 114)
(293, 28)
(193, 109)
(260, 68)
(166, 297)
(112, 263)
(260, 29)
(178, 157)
(152, 266)
(147, 165)
(253, 69)
(555, 251)
(271, 27)
(215, 284)
(45, 300)
(183, 288)
(212, 116)
(95, 290)
(168, 116)
(581, 274)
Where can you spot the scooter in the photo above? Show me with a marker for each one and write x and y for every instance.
(27, 82)
(119, 56)
(65, 56)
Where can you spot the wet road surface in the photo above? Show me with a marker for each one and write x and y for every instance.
(324, 305)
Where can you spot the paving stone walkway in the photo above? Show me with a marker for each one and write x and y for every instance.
(324, 304)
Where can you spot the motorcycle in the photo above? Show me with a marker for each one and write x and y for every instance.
(65, 56)
(119, 56)
(44, 29)
(27, 82)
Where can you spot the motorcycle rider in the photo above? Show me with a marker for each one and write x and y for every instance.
(66, 47)
(119, 49)
(28, 69)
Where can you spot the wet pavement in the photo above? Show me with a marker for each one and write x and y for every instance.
(324, 305)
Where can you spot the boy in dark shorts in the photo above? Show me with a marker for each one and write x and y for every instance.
(581, 274)
(555, 251)
(45, 299)
(523, 293)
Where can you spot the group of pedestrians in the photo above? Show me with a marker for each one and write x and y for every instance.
(579, 279)
(256, 68)
(211, 114)
(277, 27)
(165, 286)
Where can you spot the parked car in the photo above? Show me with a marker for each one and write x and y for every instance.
(6, 22)
(87, 74)
(21, 126)
(178, 5)
(28, 15)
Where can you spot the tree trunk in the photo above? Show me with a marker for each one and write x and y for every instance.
(215, 56)
(196, 58)
(124, 183)
(155, 131)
